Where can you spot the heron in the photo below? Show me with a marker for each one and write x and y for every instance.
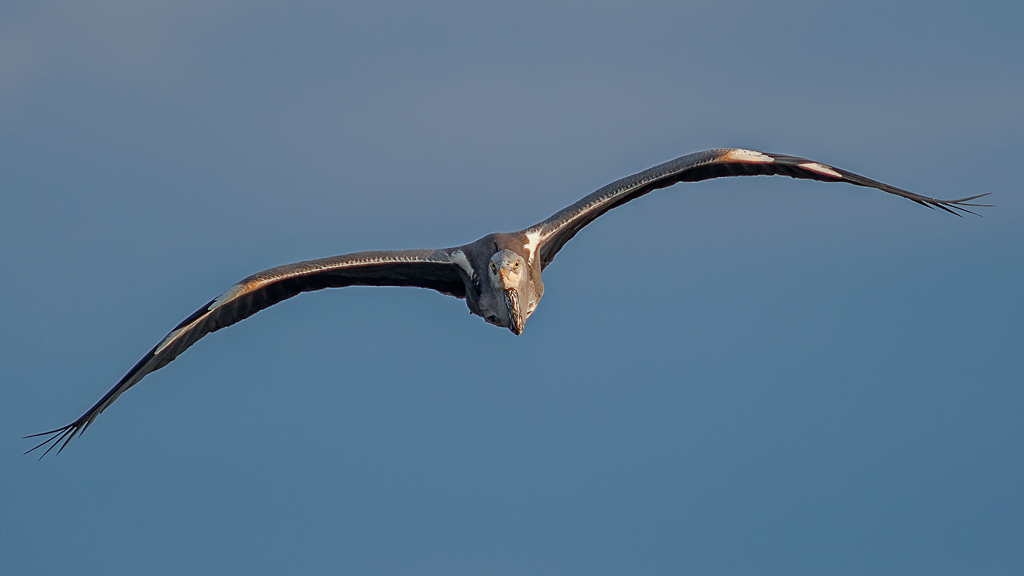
(498, 275)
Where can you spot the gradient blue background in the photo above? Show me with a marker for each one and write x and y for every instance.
(745, 376)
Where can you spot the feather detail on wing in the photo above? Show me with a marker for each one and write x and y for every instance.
(561, 227)
(432, 269)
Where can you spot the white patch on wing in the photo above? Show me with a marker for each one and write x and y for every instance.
(532, 242)
(741, 155)
(231, 293)
(459, 258)
(820, 169)
(174, 336)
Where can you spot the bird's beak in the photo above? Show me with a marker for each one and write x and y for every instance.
(514, 312)
(506, 282)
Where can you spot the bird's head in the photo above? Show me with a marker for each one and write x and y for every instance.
(509, 278)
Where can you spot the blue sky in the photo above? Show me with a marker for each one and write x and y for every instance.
(740, 376)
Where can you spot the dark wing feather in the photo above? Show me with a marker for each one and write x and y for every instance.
(422, 268)
(554, 232)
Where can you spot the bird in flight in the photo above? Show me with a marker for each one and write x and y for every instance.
(499, 275)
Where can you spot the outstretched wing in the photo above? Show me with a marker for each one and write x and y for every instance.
(423, 268)
(554, 232)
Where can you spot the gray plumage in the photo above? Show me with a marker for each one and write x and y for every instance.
(499, 275)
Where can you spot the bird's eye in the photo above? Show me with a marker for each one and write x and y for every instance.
(493, 267)
(516, 266)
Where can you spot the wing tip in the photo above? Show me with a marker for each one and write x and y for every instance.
(60, 436)
(958, 206)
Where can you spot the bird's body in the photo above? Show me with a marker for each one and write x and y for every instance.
(499, 275)
(502, 278)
